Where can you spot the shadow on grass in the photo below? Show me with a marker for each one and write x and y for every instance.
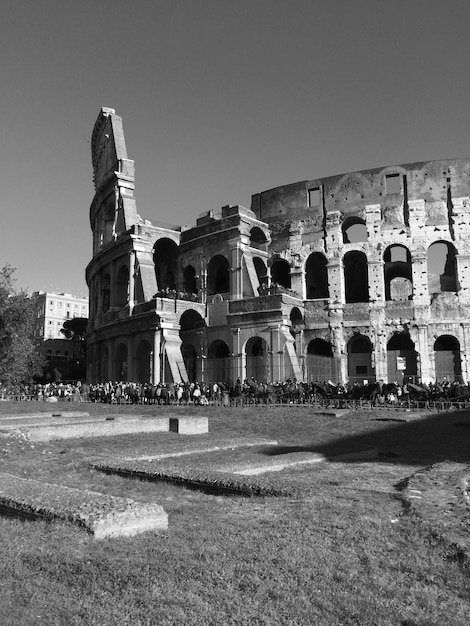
(437, 438)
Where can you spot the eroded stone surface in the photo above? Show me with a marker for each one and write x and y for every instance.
(101, 514)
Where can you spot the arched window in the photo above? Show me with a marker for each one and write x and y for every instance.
(257, 364)
(360, 359)
(320, 363)
(218, 275)
(397, 273)
(257, 238)
(120, 363)
(165, 256)
(189, 280)
(280, 273)
(356, 277)
(402, 359)
(447, 359)
(316, 277)
(218, 362)
(442, 267)
(260, 267)
(354, 230)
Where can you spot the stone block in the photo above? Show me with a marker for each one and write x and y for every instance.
(189, 425)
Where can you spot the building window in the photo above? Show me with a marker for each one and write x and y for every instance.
(314, 197)
(392, 184)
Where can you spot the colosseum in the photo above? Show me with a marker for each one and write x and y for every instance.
(356, 277)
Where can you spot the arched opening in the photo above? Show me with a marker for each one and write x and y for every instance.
(189, 354)
(189, 280)
(360, 360)
(442, 267)
(320, 363)
(402, 359)
(296, 317)
(143, 362)
(280, 273)
(447, 359)
(165, 256)
(257, 238)
(120, 363)
(106, 293)
(122, 286)
(356, 277)
(397, 273)
(354, 230)
(257, 363)
(260, 267)
(191, 320)
(316, 277)
(218, 362)
(218, 275)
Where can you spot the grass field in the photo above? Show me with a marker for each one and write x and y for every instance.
(345, 549)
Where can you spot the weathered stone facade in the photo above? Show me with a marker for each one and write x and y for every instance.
(355, 277)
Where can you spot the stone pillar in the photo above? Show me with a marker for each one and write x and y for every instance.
(156, 357)
(463, 276)
(420, 279)
(465, 352)
(236, 273)
(237, 356)
(131, 280)
(426, 357)
(376, 280)
(336, 279)
(131, 358)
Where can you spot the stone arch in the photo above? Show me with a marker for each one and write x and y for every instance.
(190, 280)
(218, 362)
(402, 358)
(316, 276)
(360, 368)
(320, 363)
(447, 358)
(218, 275)
(165, 257)
(258, 237)
(261, 270)
(257, 363)
(121, 363)
(191, 320)
(354, 230)
(356, 277)
(143, 361)
(397, 273)
(280, 273)
(442, 267)
(122, 286)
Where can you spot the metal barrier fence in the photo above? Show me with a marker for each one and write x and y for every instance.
(251, 401)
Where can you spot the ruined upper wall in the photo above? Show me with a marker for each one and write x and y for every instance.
(108, 148)
(431, 181)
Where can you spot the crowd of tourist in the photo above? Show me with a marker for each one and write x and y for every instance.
(200, 393)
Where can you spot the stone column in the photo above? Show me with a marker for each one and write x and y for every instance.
(131, 280)
(237, 357)
(465, 353)
(426, 357)
(156, 357)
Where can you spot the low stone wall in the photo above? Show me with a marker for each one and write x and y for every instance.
(102, 515)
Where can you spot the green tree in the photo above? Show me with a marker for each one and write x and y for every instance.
(75, 328)
(19, 359)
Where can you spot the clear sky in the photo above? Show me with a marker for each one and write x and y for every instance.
(220, 99)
